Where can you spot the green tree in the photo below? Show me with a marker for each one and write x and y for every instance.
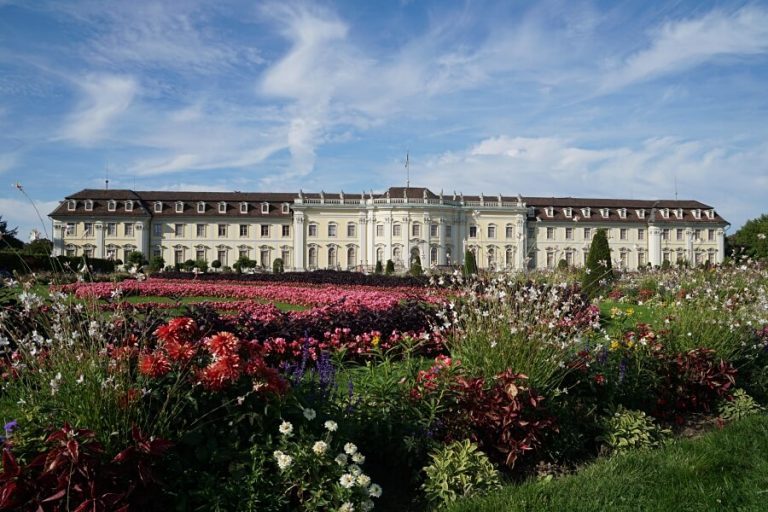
(416, 269)
(379, 268)
(470, 264)
(390, 268)
(599, 271)
(136, 259)
(277, 266)
(8, 236)
(156, 263)
(752, 238)
(39, 246)
(201, 265)
(216, 264)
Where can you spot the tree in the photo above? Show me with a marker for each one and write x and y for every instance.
(156, 263)
(40, 246)
(470, 264)
(599, 270)
(277, 266)
(8, 236)
(390, 268)
(216, 264)
(201, 265)
(416, 265)
(136, 259)
(752, 238)
(379, 268)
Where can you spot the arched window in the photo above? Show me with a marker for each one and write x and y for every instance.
(332, 261)
(433, 256)
(351, 256)
(397, 255)
(312, 257)
(380, 254)
(510, 258)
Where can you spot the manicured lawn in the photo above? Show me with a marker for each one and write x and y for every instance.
(722, 470)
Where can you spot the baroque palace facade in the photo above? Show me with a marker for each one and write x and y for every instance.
(354, 231)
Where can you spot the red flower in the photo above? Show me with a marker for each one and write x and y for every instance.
(181, 352)
(225, 370)
(154, 365)
(222, 344)
(600, 379)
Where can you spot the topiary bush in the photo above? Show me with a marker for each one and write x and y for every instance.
(458, 470)
(277, 266)
(470, 264)
(390, 268)
(379, 268)
(416, 269)
(598, 273)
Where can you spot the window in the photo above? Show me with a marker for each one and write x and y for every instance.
(509, 231)
(71, 205)
(69, 229)
(200, 230)
(380, 230)
(331, 229)
(641, 234)
(128, 229)
(111, 205)
(550, 233)
(605, 212)
(679, 213)
(587, 233)
(178, 230)
(697, 234)
(111, 229)
(221, 255)
(568, 212)
(586, 212)
(397, 255)
(623, 259)
(433, 229)
(640, 214)
(665, 256)
(569, 258)
(678, 234)
(179, 207)
(264, 208)
(448, 231)
(88, 205)
(351, 229)
(351, 256)
(510, 256)
(665, 214)
(416, 229)
(88, 251)
(158, 206)
(157, 252)
(286, 208)
(623, 234)
(243, 207)
(380, 254)
(711, 235)
(243, 253)
(696, 213)
(472, 231)
(312, 230)
(396, 230)
(178, 256)
(286, 230)
(243, 229)
(88, 231)
(622, 213)
(550, 259)
(550, 211)
(222, 230)
(200, 254)
(491, 231)
(285, 254)
(569, 233)
(222, 207)
(201, 207)
(129, 206)
(433, 255)
(157, 229)
(332, 257)
(312, 257)
(665, 234)
(641, 259)
(264, 257)
(264, 230)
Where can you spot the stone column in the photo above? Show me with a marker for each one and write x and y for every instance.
(654, 245)
(362, 225)
(59, 229)
(299, 247)
(441, 241)
(689, 245)
(388, 238)
(99, 226)
(371, 250)
(522, 243)
(720, 235)
(141, 232)
(427, 251)
(407, 250)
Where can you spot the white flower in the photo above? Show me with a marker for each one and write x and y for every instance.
(355, 469)
(80, 379)
(284, 461)
(347, 507)
(374, 491)
(341, 459)
(331, 426)
(277, 454)
(320, 447)
(286, 428)
(310, 414)
(347, 481)
(366, 506)
(350, 448)
(363, 480)
(358, 458)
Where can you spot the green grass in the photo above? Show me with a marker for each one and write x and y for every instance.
(722, 470)
(647, 314)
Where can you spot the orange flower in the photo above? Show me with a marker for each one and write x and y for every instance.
(154, 365)
(222, 344)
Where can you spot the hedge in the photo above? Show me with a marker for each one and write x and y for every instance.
(23, 263)
(315, 277)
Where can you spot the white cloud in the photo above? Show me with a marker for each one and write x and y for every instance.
(681, 45)
(106, 97)
(20, 213)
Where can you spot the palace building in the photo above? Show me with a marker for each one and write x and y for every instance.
(354, 231)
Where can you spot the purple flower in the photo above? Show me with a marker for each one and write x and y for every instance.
(10, 426)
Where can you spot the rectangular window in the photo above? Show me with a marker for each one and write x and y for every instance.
(111, 206)
(678, 234)
(222, 207)
(128, 229)
(448, 231)
(243, 229)
(550, 235)
(623, 234)
(265, 257)
(587, 233)
(312, 230)
(711, 235)
(243, 207)
(157, 229)
(351, 230)
(665, 234)
(472, 231)
(264, 230)
(286, 230)
(509, 232)
(88, 229)
(178, 230)
(157, 252)
(129, 206)
(111, 229)
(491, 231)
(200, 230)
(331, 230)
(641, 259)
(222, 257)
(200, 255)
(71, 205)
(285, 254)
(286, 208)
(550, 259)
(70, 229)
(697, 234)
(569, 233)
(222, 230)
(396, 230)
(178, 256)
(379, 230)
(179, 207)
(200, 207)
(242, 254)
(433, 229)
(641, 234)
(416, 230)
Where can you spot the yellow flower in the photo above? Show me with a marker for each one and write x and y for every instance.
(615, 345)
(615, 312)
(630, 344)
(375, 341)
(630, 311)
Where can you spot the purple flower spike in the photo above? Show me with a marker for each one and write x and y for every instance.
(8, 427)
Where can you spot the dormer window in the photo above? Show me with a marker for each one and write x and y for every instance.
(88, 205)
(665, 213)
(286, 208)
(550, 210)
(71, 205)
(586, 212)
(222, 207)
(605, 212)
(640, 213)
(679, 213)
(111, 205)
(179, 207)
(129, 206)
(243, 207)
(264, 208)
(710, 214)
(696, 213)
(568, 212)
(158, 206)
(201, 207)
(622, 213)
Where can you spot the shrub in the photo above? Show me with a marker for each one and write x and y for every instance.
(470, 264)
(562, 265)
(738, 406)
(189, 264)
(136, 259)
(216, 264)
(277, 266)
(626, 429)
(156, 263)
(416, 269)
(598, 272)
(390, 268)
(379, 269)
(458, 470)
(201, 265)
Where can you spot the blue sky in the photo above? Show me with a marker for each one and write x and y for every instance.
(566, 98)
